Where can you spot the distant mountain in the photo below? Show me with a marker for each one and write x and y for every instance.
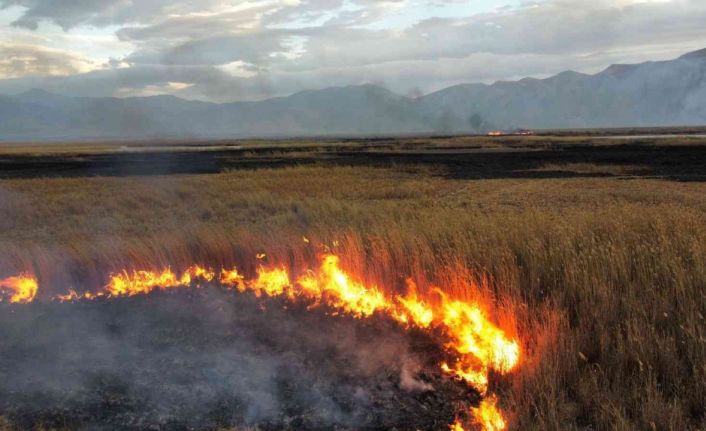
(666, 93)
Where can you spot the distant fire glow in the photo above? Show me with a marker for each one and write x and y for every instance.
(476, 344)
(22, 288)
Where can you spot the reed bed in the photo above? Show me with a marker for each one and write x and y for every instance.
(604, 278)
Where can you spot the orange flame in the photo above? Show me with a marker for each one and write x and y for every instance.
(477, 344)
(272, 282)
(72, 295)
(474, 375)
(414, 309)
(476, 338)
(340, 291)
(23, 288)
(142, 282)
(232, 278)
(487, 416)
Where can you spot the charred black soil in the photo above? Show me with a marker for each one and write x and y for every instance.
(208, 359)
(680, 158)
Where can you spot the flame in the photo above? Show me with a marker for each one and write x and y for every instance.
(487, 415)
(232, 278)
(272, 282)
(72, 295)
(340, 291)
(197, 272)
(475, 336)
(475, 343)
(23, 288)
(420, 313)
(142, 282)
(474, 375)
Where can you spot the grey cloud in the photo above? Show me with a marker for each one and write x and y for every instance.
(252, 48)
(194, 26)
(552, 28)
(306, 11)
(70, 13)
(66, 13)
(581, 26)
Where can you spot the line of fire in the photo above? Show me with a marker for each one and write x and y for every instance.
(474, 346)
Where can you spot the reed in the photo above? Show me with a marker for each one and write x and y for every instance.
(604, 279)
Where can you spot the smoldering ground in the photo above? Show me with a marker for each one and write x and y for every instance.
(209, 358)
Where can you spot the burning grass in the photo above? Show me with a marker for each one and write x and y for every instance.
(603, 280)
(476, 346)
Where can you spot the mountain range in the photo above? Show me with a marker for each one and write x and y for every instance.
(661, 93)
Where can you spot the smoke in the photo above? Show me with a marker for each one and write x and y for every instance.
(207, 358)
(408, 381)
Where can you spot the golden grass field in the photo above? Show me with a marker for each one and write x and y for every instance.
(605, 276)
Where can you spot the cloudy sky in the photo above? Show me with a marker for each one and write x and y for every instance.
(226, 50)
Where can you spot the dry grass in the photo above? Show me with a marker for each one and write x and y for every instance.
(307, 146)
(606, 278)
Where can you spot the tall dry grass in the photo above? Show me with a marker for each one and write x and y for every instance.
(604, 279)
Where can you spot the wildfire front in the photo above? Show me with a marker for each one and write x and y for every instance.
(289, 348)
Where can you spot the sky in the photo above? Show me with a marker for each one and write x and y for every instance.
(222, 51)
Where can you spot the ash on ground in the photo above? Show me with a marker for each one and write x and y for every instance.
(206, 359)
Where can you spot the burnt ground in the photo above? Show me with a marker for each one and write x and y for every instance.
(208, 358)
(675, 158)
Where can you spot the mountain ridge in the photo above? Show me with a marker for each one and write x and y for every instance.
(664, 93)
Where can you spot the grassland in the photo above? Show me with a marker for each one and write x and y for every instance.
(601, 264)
